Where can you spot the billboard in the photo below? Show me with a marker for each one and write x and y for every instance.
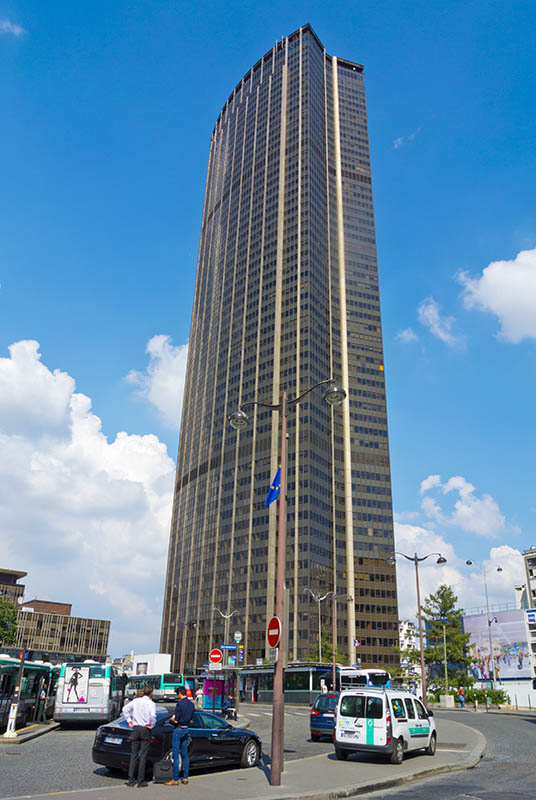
(75, 685)
(508, 643)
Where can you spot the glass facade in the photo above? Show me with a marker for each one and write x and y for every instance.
(286, 295)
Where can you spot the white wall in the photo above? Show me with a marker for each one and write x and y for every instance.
(156, 663)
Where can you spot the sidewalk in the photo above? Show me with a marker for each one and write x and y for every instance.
(31, 731)
(318, 777)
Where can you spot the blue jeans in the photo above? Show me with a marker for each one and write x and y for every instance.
(179, 746)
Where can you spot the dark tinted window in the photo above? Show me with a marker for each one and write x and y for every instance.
(421, 711)
(409, 707)
(325, 703)
(378, 678)
(197, 721)
(353, 706)
(374, 708)
(171, 678)
(212, 721)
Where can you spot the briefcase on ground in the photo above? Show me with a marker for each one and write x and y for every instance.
(163, 769)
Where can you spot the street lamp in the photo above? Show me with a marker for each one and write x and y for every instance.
(334, 597)
(318, 598)
(334, 395)
(416, 560)
(490, 621)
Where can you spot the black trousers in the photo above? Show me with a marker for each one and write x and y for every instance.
(140, 741)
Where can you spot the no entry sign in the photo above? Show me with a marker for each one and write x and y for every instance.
(274, 631)
(215, 656)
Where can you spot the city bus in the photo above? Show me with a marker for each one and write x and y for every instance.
(89, 691)
(164, 686)
(35, 677)
(354, 677)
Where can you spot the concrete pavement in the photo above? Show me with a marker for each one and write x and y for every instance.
(319, 777)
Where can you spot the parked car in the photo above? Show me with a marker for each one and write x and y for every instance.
(322, 717)
(389, 721)
(213, 742)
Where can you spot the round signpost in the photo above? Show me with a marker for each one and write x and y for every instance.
(238, 636)
(215, 656)
(274, 631)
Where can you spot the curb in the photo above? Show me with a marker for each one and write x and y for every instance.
(31, 734)
(474, 757)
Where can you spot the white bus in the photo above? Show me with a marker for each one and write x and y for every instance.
(89, 691)
(354, 677)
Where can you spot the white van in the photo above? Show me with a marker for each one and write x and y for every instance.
(387, 721)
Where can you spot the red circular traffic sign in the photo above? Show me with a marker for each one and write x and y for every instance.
(215, 656)
(274, 631)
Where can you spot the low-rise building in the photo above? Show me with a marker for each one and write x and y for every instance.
(9, 586)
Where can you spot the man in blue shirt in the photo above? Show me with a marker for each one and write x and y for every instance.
(182, 716)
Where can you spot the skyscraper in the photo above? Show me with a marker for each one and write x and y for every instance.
(286, 295)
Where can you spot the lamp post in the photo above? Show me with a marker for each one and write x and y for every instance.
(334, 395)
(334, 598)
(490, 621)
(318, 598)
(416, 560)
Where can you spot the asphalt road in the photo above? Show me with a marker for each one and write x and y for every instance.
(507, 772)
(61, 760)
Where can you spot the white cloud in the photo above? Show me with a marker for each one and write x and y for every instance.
(508, 290)
(407, 336)
(429, 315)
(8, 27)
(88, 519)
(430, 482)
(473, 514)
(400, 141)
(466, 582)
(163, 382)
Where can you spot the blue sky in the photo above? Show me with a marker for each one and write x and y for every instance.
(107, 111)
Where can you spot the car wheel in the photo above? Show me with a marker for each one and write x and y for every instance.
(342, 755)
(250, 754)
(430, 750)
(397, 756)
(315, 737)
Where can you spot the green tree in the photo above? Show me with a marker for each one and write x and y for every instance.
(8, 622)
(440, 610)
(327, 651)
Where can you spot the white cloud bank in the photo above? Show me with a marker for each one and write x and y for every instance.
(88, 519)
(467, 582)
(508, 290)
(470, 513)
(11, 28)
(162, 385)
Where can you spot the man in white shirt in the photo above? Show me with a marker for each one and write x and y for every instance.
(140, 714)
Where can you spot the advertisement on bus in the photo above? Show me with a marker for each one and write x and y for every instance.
(508, 643)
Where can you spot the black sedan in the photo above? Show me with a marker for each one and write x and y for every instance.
(213, 742)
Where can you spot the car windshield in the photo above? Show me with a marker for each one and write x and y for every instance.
(325, 702)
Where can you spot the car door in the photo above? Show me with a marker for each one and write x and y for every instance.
(351, 719)
(422, 725)
(222, 743)
(375, 722)
(400, 720)
(198, 746)
(413, 723)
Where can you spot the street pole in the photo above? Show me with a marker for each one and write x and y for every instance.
(319, 635)
(445, 657)
(421, 642)
(278, 700)
(333, 642)
(11, 732)
(491, 661)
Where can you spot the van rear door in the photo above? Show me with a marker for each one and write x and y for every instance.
(361, 720)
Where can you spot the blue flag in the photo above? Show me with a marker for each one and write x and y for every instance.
(273, 492)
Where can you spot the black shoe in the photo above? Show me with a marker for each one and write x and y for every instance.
(141, 784)
(130, 782)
